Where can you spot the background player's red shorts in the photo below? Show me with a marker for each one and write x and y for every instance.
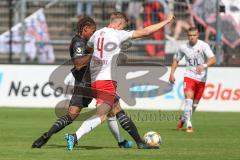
(104, 91)
(196, 86)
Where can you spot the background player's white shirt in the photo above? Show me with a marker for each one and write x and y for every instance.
(106, 43)
(194, 56)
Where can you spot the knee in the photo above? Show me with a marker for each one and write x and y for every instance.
(73, 112)
(189, 94)
(103, 118)
(117, 107)
(111, 114)
(195, 101)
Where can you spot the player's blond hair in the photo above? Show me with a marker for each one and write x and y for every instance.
(192, 29)
(118, 15)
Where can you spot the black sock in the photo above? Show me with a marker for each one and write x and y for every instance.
(61, 123)
(128, 125)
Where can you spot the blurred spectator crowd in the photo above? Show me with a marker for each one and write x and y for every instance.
(142, 13)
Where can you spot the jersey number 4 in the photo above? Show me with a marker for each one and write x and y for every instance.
(100, 46)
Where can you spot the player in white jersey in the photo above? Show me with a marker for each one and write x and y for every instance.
(199, 57)
(106, 44)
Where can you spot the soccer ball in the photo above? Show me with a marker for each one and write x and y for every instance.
(152, 138)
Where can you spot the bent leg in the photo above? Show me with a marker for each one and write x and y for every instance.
(127, 124)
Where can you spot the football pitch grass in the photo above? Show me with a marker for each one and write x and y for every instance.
(216, 136)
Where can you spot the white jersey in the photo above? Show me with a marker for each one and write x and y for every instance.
(194, 56)
(106, 43)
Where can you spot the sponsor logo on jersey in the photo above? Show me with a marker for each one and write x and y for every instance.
(79, 50)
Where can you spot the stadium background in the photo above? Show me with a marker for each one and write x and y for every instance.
(29, 56)
(62, 15)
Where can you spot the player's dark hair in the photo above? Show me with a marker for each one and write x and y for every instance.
(192, 29)
(118, 15)
(84, 21)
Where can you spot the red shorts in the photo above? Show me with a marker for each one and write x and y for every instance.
(193, 85)
(104, 91)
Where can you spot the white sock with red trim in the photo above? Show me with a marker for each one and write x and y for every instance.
(187, 113)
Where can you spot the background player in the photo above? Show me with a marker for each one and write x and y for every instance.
(104, 83)
(199, 57)
(80, 59)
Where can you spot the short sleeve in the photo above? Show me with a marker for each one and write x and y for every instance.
(125, 35)
(208, 51)
(178, 55)
(78, 49)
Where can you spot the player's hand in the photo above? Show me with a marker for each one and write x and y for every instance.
(200, 68)
(172, 79)
(170, 17)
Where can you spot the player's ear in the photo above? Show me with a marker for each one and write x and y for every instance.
(85, 28)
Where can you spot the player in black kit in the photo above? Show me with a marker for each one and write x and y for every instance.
(80, 58)
(81, 73)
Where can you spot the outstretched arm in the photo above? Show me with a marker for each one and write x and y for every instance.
(152, 28)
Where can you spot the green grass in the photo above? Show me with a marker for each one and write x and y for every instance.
(216, 136)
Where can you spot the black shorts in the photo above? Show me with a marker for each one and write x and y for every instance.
(81, 97)
(80, 101)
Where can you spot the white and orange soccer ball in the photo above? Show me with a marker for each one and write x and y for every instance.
(152, 138)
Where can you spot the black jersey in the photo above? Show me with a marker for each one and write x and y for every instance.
(77, 49)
